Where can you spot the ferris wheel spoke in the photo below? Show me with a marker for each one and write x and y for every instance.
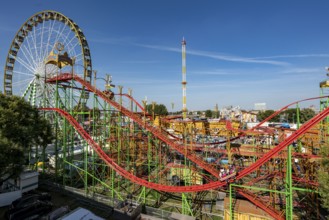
(41, 41)
(73, 48)
(23, 82)
(30, 46)
(30, 61)
(78, 57)
(51, 70)
(39, 46)
(30, 50)
(24, 73)
(49, 37)
(34, 39)
(23, 63)
(70, 42)
(47, 44)
(28, 88)
(60, 33)
(79, 61)
(41, 55)
(32, 98)
(66, 39)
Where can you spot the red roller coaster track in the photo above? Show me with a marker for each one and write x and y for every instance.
(176, 146)
(155, 131)
(132, 99)
(179, 147)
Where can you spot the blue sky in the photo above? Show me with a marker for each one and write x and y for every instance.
(238, 52)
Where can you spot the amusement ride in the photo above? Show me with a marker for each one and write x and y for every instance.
(107, 142)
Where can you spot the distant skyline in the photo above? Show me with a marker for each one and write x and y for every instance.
(238, 52)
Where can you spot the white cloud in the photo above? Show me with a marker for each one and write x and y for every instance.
(293, 56)
(216, 55)
(140, 61)
(303, 70)
(212, 72)
(235, 58)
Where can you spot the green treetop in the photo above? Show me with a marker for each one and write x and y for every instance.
(20, 128)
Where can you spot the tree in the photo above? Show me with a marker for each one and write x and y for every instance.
(264, 114)
(21, 127)
(208, 113)
(11, 160)
(290, 115)
(159, 109)
(306, 114)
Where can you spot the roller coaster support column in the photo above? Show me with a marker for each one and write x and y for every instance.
(186, 206)
(56, 126)
(299, 143)
(149, 156)
(158, 165)
(95, 134)
(228, 146)
(289, 193)
(142, 195)
(86, 168)
(143, 192)
(186, 210)
(149, 149)
(36, 167)
(119, 134)
(65, 150)
(324, 103)
(144, 105)
(130, 138)
(231, 202)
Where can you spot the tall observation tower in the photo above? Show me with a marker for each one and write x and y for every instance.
(184, 110)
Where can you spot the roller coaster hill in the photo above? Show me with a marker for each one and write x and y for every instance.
(124, 152)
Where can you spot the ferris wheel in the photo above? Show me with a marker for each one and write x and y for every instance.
(41, 40)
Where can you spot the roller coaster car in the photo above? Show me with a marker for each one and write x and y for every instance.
(227, 177)
(109, 94)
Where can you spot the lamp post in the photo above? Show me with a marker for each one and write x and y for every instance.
(108, 80)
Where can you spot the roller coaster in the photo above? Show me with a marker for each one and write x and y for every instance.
(125, 153)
